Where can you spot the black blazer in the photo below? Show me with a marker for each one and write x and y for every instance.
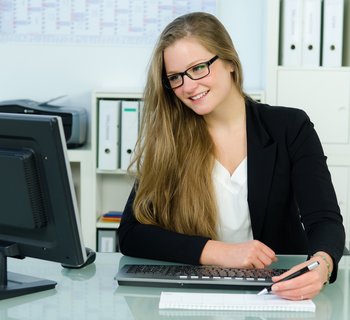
(292, 203)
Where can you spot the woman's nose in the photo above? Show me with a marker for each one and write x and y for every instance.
(189, 85)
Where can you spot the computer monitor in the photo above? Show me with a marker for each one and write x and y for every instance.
(38, 209)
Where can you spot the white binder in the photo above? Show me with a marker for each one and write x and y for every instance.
(333, 19)
(106, 240)
(291, 37)
(129, 131)
(108, 134)
(311, 34)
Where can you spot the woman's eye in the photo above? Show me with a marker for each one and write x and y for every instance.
(174, 77)
(199, 68)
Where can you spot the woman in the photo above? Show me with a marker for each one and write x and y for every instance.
(221, 179)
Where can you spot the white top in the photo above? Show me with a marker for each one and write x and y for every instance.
(234, 223)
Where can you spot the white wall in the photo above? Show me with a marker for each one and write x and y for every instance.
(41, 72)
(246, 23)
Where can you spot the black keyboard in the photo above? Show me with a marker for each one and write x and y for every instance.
(195, 276)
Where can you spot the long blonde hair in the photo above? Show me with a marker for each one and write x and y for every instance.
(174, 155)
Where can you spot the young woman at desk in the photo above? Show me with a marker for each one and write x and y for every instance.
(222, 179)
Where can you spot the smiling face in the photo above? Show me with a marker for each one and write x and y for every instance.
(205, 95)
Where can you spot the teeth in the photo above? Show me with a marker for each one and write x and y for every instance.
(198, 96)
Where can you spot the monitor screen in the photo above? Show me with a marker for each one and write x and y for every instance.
(38, 209)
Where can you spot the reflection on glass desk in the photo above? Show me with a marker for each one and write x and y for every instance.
(91, 293)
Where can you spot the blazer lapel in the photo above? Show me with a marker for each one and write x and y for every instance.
(261, 163)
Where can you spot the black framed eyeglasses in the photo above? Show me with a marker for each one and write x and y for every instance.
(195, 72)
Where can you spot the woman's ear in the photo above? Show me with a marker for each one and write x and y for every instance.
(231, 67)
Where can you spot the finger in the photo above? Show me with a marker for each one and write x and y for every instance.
(264, 255)
(257, 264)
(267, 251)
(306, 286)
(288, 272)
(301, 294)
(266, 260)
(260, 261)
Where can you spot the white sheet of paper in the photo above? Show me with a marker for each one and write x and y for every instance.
(230, 301)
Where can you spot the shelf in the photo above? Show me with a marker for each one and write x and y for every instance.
(82, 171)
(111, 187)
(314, 69)
(107, 225)
(119, 171)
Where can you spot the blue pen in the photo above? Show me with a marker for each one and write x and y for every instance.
(291, 276)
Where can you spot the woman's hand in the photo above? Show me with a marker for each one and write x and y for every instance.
(250, 254)
(309, 284)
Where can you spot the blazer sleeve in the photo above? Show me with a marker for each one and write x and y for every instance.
(153, 242)
(314, 192)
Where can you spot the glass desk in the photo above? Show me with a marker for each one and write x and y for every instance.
(91, 293)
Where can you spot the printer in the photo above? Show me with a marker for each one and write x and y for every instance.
(74, 119)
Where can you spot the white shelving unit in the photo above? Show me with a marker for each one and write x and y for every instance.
(324, 93)
(111, 188)
(83, 177)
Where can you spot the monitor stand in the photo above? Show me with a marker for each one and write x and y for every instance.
(14, 284)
